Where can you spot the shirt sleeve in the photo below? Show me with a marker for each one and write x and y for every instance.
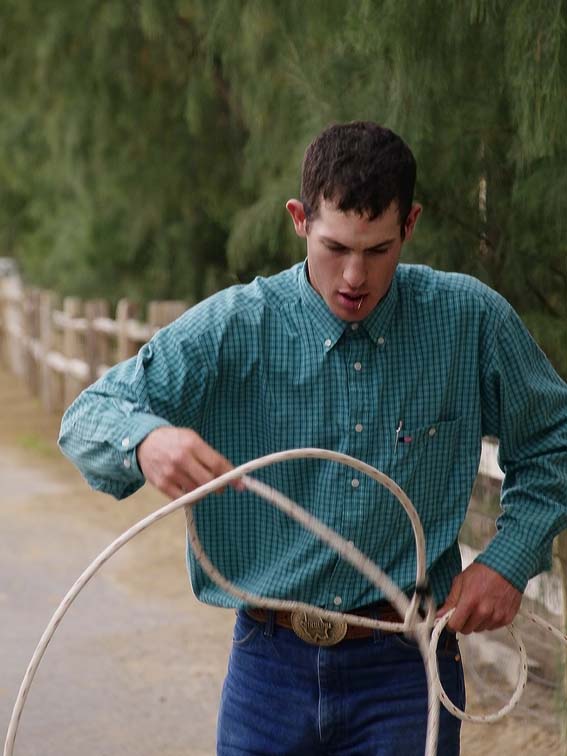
(524, 404)
(164, 385)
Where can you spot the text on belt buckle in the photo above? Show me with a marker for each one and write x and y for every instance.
(316, 630)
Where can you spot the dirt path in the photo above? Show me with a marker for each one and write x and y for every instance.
(137, 665)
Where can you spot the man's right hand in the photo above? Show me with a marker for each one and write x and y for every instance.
(177, 460)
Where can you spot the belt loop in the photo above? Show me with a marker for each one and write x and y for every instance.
(269, 624)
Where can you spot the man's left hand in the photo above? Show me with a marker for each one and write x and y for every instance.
(482, 599)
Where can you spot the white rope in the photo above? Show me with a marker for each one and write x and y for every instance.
(444, 698)
(413, 625)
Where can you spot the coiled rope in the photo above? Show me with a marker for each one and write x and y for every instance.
(413, 625)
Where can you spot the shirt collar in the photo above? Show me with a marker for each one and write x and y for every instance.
(331, 328)
(325, 323)
(378, 322)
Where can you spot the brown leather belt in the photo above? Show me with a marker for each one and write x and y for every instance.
(323, 632)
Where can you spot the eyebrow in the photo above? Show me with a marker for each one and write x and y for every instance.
(385, 243)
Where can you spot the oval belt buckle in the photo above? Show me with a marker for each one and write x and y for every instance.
(316, 630)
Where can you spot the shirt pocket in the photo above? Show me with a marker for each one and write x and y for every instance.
(429, 448)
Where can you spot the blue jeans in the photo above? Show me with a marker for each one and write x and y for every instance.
(360, 697)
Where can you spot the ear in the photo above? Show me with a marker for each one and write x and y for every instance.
(411, 220)
(297, 212)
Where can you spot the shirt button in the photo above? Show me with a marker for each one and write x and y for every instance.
(432, 431)
(358, 427)
(354, 327)
(328, 342)
(381, 340)
(127, 464)
(358, 366)
(337, 601)
(125, 442)
(355, 482)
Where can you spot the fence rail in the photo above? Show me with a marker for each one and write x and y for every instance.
(59, 348)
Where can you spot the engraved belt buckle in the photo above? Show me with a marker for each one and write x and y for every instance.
(317, 630)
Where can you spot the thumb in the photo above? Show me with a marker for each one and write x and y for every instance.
(453, 598)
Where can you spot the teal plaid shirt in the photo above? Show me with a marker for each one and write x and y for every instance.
(264, 367)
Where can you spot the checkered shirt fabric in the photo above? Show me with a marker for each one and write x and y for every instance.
(264, 367)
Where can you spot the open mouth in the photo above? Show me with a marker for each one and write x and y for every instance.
(352, 302)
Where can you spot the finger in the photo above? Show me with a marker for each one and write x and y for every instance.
(172, 490)
(472, 624)
(209, 457)
(197, 474)
(453, 597)
(238, 484)
(481, 617)
(497, 621)
(483, 627)
(215, 464)
(184, 481)
(463, 618)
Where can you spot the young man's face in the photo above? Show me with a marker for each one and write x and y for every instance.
(351, 260)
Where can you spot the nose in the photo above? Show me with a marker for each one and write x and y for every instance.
(354, 272)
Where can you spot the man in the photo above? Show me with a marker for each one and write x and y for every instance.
(401, 366)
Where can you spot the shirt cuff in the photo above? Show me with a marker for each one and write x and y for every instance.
(513, 559)
(130, 435)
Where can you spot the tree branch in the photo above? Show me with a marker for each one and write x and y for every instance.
(542, 299)
(558, 271)
(474, 231)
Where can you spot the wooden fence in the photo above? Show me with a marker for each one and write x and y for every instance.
(59, 348)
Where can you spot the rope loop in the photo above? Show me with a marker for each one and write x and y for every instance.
(419, 613)
(444, 698)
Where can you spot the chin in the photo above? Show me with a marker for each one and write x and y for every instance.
(350, 317)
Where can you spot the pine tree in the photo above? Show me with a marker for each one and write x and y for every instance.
(478, 89)
(147, 148)
(107, 174)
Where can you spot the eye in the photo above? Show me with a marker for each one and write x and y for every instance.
(379, 251)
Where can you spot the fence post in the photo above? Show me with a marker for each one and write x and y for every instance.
(162, 313)
(30, 339)
(14, 353)
(72, 348)
(51, 384)
(96, 344)
(125, 347)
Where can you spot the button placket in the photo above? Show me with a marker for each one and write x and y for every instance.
(359, 390)
(361, 377)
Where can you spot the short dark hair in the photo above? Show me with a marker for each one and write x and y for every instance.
(359, 166)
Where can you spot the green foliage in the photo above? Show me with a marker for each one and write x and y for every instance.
(147, 148)
(106, 187)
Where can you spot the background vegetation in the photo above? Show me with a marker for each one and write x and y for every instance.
(147, 147)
